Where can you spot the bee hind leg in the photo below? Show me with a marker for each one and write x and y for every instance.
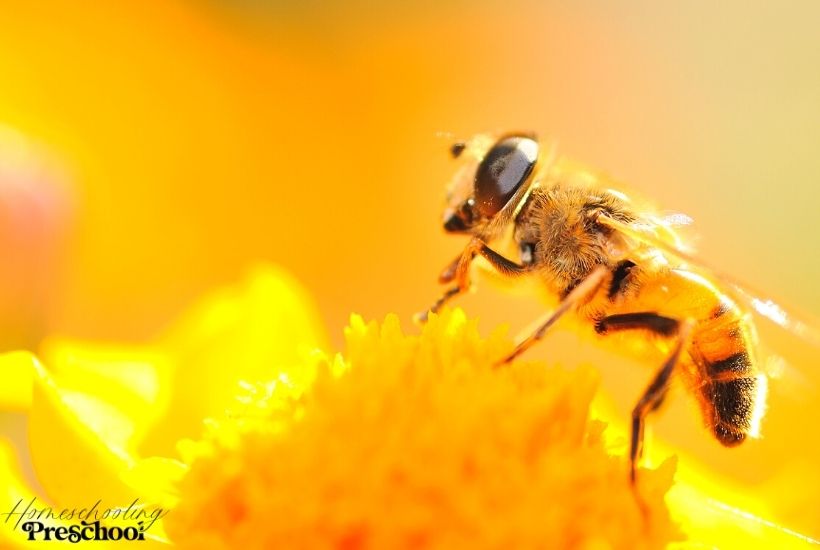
(654, 394)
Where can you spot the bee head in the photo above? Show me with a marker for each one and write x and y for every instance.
(484, 187)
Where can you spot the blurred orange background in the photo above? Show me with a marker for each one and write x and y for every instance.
(187, 140)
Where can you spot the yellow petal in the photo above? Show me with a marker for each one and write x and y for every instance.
(82, 425)
(421, 442)
(133, 380)
(156, 478)
(257, 330)
(78, 444)
(701, 502)
(16, 495)
(718, 525)
(17, 376)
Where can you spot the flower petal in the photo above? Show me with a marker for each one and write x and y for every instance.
(133, 380)
(257, 330)
(15, 494)
(78, 444)
(82, 422)
(707, 521)
(17, 376)
(722, 526)
(156, 478)
(421, 442)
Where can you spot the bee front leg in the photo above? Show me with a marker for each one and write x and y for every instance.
(585, 288)
(459, 270)
(448, 295)
(477, 247)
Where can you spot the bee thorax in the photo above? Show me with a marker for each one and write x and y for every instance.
(558, 236)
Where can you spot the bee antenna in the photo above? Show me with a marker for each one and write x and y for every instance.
(457, 148)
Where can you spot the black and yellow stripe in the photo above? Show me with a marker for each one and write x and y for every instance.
(724, 346)
(723, 369)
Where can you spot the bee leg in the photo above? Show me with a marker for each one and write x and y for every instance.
(660, 325)
(478, 247)
(656, 391)
(584, 289)
(503, 265)
(449, 273)
(448, 295)
(458, 270)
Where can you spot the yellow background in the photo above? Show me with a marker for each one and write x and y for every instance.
(192, 139)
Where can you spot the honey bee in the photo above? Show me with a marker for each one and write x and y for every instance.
(615, 264)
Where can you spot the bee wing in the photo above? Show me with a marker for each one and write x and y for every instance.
(676, 219)
(663, 238)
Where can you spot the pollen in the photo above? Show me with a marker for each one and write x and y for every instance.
(418, 441)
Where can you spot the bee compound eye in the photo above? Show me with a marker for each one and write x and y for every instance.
(502, 171)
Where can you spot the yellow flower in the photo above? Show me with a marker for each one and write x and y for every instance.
(420, 442)
(403, 441)
(104, 420)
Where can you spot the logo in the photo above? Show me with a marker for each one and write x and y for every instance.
(86, 524)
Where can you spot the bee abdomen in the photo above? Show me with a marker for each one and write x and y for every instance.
(736, 363)
(733, 389)
(734, 403)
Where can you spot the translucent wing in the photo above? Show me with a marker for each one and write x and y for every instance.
(664, 238)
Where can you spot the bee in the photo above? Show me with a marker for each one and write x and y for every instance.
(617, 266)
